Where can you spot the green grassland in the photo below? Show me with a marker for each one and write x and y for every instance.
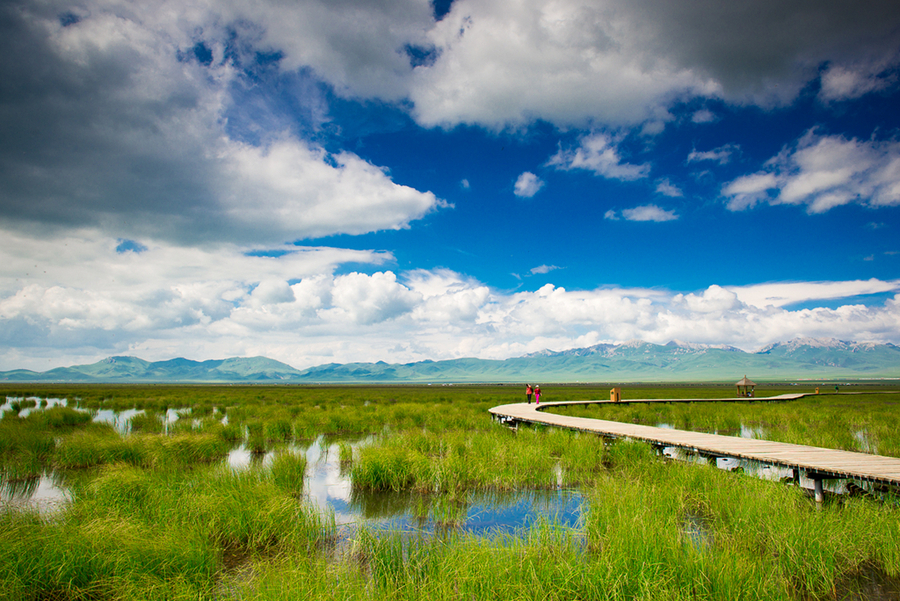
(156, 514)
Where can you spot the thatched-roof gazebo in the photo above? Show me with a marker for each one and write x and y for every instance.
(745, 387)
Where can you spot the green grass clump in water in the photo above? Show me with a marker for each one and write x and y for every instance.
(23, 454)
(229, 432)
(345, 455)
(494, 459)
(279, 430)
(105, 558)
(27, 445)
(288, 471)
(58, 417)
(101, 445)
(190, 449)
(149, 421)
(256, 437)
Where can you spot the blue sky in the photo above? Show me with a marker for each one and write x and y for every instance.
(335, 181)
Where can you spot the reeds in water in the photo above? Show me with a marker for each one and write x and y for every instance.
(288, 471)
(493, 459)
(153, 533)
(155, 517)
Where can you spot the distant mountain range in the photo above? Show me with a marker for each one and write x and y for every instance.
(634, 361)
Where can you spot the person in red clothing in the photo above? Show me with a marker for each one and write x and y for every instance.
(528, 391)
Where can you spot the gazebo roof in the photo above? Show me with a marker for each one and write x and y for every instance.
(745, 382)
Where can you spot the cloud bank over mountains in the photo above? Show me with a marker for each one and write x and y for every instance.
(165, 302)
(162, 164)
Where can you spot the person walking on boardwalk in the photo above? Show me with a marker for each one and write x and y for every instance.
(537, 395)
(528, 391)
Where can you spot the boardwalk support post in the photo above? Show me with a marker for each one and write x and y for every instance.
(817, 488)
(711, 459)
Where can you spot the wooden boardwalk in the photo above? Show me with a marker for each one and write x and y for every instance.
(814, 463)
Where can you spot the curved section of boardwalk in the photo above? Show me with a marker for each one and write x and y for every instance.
(817, 463)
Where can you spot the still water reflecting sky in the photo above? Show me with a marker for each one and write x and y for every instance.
(328, 487)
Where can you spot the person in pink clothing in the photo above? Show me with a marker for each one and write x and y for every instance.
(537, 395)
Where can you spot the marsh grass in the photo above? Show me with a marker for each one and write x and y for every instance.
(288, 471)
(762, 541)
(102, 445)
(494, 459)
(27, 445)
(228, 432)
(256, 437)
(345, 455)
(149, 421)
(861, 423)
(760, 533)
(279, 430)
(59, 417)
(155, 516)
(157, 533)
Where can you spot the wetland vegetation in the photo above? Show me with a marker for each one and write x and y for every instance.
(154, 510)
(865, 422)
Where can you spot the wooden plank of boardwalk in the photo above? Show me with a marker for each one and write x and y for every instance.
(816, 462)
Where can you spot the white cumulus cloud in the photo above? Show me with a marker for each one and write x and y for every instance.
(788, 293)
(648, 213)
(291, 191)
(527, 185)
(823, 172)
(721, 155)
(600, 154)
(624, 63)
(849, 81)
(667, 188)
(541, 269)
(120, 83)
